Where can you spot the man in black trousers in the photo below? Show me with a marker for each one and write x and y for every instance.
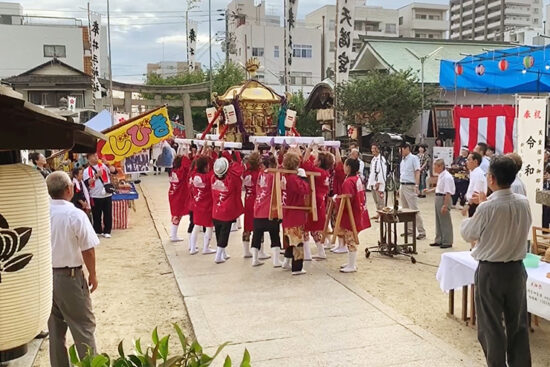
(500, 226)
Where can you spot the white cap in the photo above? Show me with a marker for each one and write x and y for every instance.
(221, 166)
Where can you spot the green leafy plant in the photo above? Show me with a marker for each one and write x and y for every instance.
(156, 355)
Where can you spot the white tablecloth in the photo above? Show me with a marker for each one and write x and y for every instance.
(457, 270)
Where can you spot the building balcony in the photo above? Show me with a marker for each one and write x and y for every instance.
(517, 11)
(517, 22)
(439, 25)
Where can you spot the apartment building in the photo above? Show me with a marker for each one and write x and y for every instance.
(490, 19)
(253, 33)
(369, 21)
(421, 20)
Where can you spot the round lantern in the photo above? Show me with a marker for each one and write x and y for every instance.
(480, 69)
(25, 257)
(503, 65)
(528, 61)
(459, 69)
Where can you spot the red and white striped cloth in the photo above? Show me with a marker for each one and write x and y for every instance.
(493, 125)
(120, 214)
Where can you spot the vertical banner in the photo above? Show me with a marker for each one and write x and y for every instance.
(344, 38)
(95, 41)
(291, 9)
(191, 44)
(531, 138)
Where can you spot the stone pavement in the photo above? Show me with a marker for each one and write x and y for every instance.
(318, 319)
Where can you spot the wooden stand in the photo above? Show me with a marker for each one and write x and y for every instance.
(345, 202)
(276, 201)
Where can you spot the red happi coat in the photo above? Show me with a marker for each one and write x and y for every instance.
(322, 186)
(294, 191)
(354, 187)
(201, 197)
(227, 204)
(178, 194)
(262, 202)
(339, 177)
(250, 179)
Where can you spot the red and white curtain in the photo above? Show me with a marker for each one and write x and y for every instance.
(493, 125)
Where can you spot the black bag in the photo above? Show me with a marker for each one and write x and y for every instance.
(109, 187)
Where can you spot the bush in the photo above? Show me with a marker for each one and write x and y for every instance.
(156, 355)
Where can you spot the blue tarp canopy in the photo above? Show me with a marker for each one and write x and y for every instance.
(522, 69)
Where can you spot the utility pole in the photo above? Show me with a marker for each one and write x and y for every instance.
(227, 39)
(335, 70)
(323, 50)
(210, 44)
(112, 109)
(285, 48)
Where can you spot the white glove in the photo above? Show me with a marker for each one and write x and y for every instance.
(301, 173)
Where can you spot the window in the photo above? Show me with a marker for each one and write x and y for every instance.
(331, 47)
(391, 28)
(301, 78)
(434, 17)
(430, 35)
(331, 25)
(258, 51)
(536, 10)
(535, 20)
(400, 20)
(444, 117)
(51, 98)
(261, 77)
(302, 51)
(358, 25)
(420, 16)
(276, 52)
(54, 51)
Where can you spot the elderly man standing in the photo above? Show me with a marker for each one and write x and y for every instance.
(409, 171)
(377, 178)
(73, 243)
(355, 154)
(444, 190)
(500, 226)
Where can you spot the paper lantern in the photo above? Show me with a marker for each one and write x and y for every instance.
(290, 119)
(459, 69)
(503, 65)
(230, 115)
(480, 69)
(210, 113)
(25, 257)
(528, 61)
(352, 132)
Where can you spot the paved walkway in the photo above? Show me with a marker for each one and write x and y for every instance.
(317, 319)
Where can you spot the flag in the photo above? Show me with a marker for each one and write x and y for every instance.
(493, 125)
(345, 10)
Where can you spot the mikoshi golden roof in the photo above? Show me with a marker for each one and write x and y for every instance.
(252, 90)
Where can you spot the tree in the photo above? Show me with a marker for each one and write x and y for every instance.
(306, 123)
(226, 76)
(384, 102)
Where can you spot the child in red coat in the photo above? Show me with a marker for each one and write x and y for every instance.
(294, 189)
(201, 194)
(262, 209)
(250, 179)
(320, 162)
(353, 186)
(227, 204)
(178, 193)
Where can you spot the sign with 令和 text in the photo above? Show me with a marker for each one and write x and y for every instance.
(530, 142)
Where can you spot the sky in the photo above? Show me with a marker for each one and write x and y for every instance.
(148, 31)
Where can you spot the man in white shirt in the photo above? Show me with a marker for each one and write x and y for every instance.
(518, 187)
(409, 172)
(377, 178)
(73, 242)
(478, 183)
(96, 176)
(481, 149)
(501, 226)
(444, 191)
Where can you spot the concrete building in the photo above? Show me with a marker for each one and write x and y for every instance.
(369, 21)
(28, 41)
(168, 69)
(421, 20)
(253, 33)
(526, 36)
(490, 19)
